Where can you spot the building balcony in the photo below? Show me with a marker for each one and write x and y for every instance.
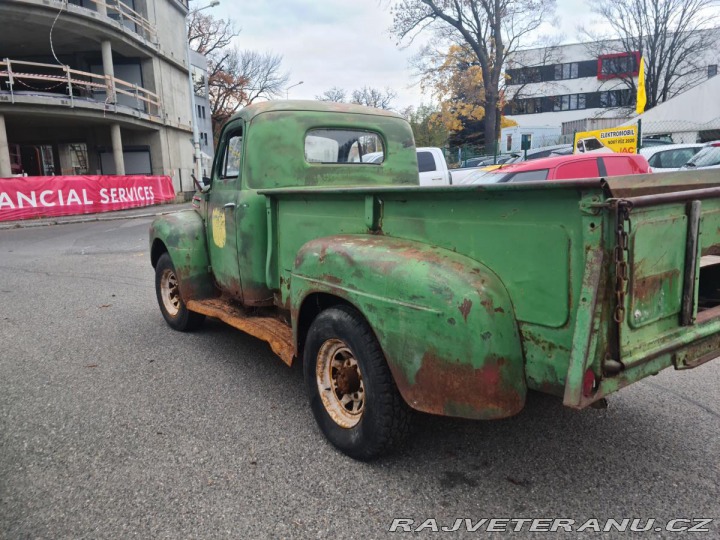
(34, 83)
(94, 19)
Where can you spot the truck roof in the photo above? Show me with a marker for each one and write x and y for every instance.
(251, 111)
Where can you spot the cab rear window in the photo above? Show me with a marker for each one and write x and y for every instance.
(344, 146)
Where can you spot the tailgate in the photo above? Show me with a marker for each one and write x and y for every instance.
(667, 230)
(662, 255)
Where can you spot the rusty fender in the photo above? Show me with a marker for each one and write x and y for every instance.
(444, 321)
(182, 235)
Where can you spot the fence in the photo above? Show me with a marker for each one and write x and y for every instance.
(678, 131)
(35, 77)
(652, 132)
(457, 156)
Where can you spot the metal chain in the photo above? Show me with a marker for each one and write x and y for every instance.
(621, 261)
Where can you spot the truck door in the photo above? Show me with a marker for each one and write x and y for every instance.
(222, 211)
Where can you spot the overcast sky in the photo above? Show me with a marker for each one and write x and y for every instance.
(346, 43)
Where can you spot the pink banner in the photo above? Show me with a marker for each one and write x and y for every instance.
(26, 197)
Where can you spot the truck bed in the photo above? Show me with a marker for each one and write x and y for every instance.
(552, 246)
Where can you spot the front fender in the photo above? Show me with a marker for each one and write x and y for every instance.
(444, 321)
(183, 236)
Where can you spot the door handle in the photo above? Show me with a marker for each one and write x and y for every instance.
(229, 205)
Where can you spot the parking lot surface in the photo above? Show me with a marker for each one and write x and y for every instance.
(112, 425)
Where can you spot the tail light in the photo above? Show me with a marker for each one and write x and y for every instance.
(589, 383)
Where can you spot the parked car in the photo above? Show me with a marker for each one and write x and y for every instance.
(564, 168)
(656, 141)
(707, 158)
(669, 157)
(484, 161)
(432, 167)
(475, 162)
(538, 153)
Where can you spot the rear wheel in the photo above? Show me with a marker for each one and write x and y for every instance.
(167, 290)
(352, 393)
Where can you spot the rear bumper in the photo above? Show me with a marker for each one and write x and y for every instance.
(690, 347)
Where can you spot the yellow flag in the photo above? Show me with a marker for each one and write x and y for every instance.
(641, 97)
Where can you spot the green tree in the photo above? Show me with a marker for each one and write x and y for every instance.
(427, 130)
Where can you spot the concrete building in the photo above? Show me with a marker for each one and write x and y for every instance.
(203, 116)
(95, 87)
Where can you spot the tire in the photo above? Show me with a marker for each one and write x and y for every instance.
(352, 393)
(168, 296)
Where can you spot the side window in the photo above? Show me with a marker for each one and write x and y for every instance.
(669, 159)
(228, 160)
(232, 157)
(344, 146)
(529, 176)
(426, 162)
(586, 168)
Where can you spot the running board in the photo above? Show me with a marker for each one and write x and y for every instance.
(275, 332)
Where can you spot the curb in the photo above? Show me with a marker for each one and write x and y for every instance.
(97, 217)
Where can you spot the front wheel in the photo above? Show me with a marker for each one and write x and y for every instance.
(167, 290)
(352, 393)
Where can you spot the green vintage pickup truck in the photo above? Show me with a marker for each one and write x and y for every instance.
(446, 300)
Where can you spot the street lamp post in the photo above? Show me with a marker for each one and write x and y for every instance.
(197, 155)
(287, 90)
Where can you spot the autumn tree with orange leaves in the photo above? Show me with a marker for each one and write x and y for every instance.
(455, 82)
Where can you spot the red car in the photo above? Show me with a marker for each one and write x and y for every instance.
(566, 168)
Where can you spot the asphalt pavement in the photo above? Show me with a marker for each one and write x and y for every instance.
(114, 426)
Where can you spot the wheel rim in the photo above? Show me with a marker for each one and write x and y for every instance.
(170, 292)
(340, 383)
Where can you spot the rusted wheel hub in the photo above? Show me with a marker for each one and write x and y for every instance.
(348, 380)
(340, 383)
(170, 292)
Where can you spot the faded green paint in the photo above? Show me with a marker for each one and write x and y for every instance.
(444, 321)
(182, 235)
(475, 293)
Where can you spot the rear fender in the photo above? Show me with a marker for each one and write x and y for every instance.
(444, 321)
(182, 235)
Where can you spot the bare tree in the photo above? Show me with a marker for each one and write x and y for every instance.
(374, 97)
(492, 29)
(368, 96)
(335, 94)
(264, 75)
(674, 37)
(208, 35)
(236, 78)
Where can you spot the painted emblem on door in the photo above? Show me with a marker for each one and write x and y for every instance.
(218, 227)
